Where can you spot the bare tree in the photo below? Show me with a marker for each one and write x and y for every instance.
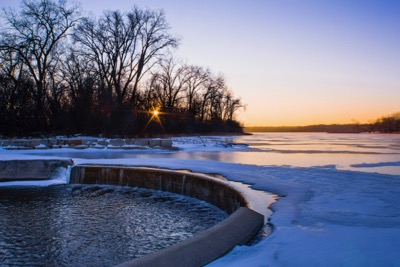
(34, 33)
(169, 84)
(196, 80)
(124, 46)
(11, 71)
(211, 98)
(230, 106)
(80, 81)
(118, 68)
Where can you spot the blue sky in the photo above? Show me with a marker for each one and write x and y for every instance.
(292, 62)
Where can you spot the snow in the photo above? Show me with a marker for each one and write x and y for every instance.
(328, 218)
(334, 209)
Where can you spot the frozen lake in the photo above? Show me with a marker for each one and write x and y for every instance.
(339, 194)
(357, 152)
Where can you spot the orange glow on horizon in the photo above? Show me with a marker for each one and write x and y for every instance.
(282, 120)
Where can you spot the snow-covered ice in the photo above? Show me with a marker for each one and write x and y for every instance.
(339, 195)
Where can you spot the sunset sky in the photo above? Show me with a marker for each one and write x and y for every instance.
(292, 62)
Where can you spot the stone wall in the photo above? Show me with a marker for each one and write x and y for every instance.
(19, 170)
(87, 142)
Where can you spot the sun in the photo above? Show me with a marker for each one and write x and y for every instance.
(155, 117)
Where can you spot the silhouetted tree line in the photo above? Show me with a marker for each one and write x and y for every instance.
(321, 128)
(61, 72)
(387, 124)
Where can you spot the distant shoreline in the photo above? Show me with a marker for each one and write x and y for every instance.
(388, 124)
(322, 128)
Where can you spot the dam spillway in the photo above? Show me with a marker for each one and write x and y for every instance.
(238, 229)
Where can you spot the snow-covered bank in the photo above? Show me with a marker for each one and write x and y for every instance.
(324, 216)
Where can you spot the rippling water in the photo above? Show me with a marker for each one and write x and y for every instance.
(80, 225)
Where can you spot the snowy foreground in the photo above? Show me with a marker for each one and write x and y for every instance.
(323, 217)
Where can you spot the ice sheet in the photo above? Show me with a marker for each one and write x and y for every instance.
(326, 215)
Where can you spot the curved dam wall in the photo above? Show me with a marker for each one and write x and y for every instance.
(193, 185)
(201, 249)
(239, 228)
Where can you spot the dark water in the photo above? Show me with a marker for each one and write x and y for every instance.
(76, 225)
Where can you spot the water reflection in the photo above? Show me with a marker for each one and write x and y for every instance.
(342, 151)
